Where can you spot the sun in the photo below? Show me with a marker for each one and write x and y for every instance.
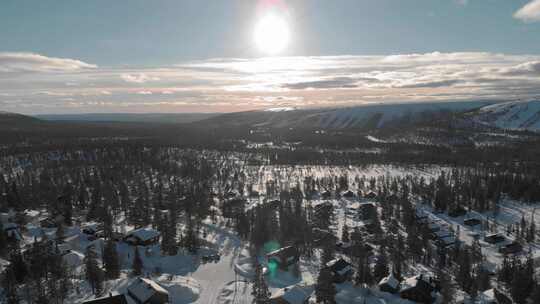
(272, 34)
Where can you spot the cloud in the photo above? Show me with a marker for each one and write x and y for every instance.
(339, 82)
(30, 62)
(138, 78)
(530, 12)
(243, 84)
(144, 92)
(528, 68)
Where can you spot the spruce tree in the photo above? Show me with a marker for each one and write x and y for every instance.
(93, 272)
(325, 291)
(260, 291)
(137, 263)
(110, 260)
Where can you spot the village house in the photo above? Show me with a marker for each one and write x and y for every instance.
(494, 238)
(146, 291)
(389, 284)
(418, 289)
(493, 296)
(341, 270)
(292, 295)
(234, 206)
(347, 194)
(370, 195)
(367, 211)
(326, 194)
(110, 299)
(471, 222)
(284, 257)
(512, 248)
(142, 237)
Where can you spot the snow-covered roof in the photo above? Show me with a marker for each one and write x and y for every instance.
(294, 294)
(143, 289)
(73, 259)
(390, 281)
(144, 234)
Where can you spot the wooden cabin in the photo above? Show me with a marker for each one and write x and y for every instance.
(341, 270)
(142, 237)
(284, 257)
(389, 284)
(110, 299)
(494, 238)
(146, 291)
(418, 289)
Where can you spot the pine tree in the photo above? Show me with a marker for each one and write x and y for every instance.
(345, 237)
(9, 284)
(447, 287)
(110, 260)
(260, 291)
(325, 291)
(93, 273)
(137, 263)
(381, 268)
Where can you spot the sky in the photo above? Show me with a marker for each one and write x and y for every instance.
(102, 56)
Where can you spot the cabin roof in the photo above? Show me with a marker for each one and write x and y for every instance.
(143, 289)
(144, 234)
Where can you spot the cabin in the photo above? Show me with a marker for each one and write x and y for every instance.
(322, 237)
(493, 296)
(367, 211)
(291, 295)
(457, 212)
(433, 227)
(511, 248)
(343, 247)
(446, 241)
(471, 222)
(284, 257)
(110, 299)
(494, 238)
(389, 284)
(234, 206)
(326, 194)
(341, 270)
(347, 194)
(142, 237)
(441, 234)
(418, 289)
(146, 291)
(12, 232)
(370, 195)
(421, 217)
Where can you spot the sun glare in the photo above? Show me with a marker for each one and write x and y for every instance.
(272, 34)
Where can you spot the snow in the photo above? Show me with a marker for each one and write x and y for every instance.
(73, 259)
(390, 281)
(143, 289)
(294, 295)
(144, 234)
(514, 115)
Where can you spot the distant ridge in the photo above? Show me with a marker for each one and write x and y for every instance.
(355, 117)
(129, 117)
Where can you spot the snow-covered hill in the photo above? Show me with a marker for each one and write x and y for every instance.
(364, 116)
(512, 115)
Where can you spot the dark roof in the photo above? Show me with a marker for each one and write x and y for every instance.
(337, 264)
(285, 251)
(118, 299)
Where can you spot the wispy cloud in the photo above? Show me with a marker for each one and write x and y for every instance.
(530, 12)
(241, 84)
(30, 62)
(138, 78)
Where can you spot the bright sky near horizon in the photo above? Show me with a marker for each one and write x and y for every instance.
(69, 56)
